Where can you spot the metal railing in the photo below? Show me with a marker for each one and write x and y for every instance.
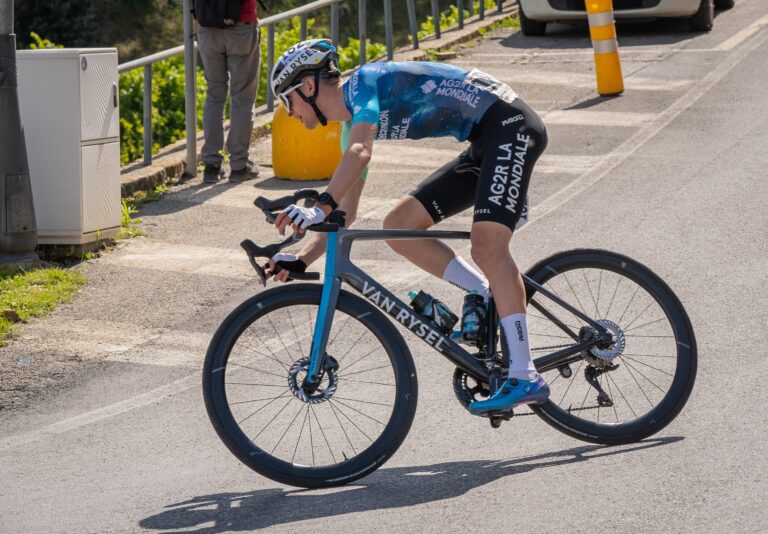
(269, 23)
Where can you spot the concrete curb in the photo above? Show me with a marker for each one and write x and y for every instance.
(169, 165)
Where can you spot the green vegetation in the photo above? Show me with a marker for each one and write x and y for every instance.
(27, 294)
(129, 225)
(168, 121)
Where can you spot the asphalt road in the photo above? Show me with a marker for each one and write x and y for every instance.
(672, 173)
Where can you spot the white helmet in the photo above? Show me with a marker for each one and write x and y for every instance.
(304, 57)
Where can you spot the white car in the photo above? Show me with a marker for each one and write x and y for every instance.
(535, 14)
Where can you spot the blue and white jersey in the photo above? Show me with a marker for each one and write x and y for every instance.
(413, 100)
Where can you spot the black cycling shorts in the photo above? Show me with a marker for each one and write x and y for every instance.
(493, 173)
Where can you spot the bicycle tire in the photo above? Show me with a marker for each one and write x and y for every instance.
(679, 329)
(353, 467)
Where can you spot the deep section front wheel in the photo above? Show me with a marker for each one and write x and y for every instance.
(636, 385)
(334, 434)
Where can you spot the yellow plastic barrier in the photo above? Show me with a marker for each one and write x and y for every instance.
(602, 30)
(301, 154)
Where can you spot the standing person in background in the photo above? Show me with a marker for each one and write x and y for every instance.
(228, 42)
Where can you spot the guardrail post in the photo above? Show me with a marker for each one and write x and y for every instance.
(335, 23)
(304, 27)
(388, 26)
(270, 64)
(190, 103)
(482, 9)
(460, 5)
(361, 27)
(436, 18)
(471, 8)
(147, 96)
(499, 5)
(412, 21)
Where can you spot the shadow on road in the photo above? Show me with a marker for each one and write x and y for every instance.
(386, 488)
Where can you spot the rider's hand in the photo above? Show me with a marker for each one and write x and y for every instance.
(288, 262)
(298, 217)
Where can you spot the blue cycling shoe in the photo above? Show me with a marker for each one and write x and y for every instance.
(512, 393)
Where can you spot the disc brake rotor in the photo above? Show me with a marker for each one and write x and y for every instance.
(324, 391)
(616, 348)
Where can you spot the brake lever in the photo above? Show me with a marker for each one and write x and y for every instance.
(253, 251)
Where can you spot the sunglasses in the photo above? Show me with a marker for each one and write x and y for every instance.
(284, 96)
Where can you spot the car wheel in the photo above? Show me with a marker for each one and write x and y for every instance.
(702, 20)
(530, 26)
(723, 4)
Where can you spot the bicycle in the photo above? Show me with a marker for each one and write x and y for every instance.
(349, 379)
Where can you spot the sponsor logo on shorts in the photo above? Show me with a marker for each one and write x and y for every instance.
(437, 209)
(482, 211)
(507, 178)
(512, 120)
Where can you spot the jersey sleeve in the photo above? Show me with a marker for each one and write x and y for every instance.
(364, 96)
(345, 129)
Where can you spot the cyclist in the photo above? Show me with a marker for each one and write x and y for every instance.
(415, 100)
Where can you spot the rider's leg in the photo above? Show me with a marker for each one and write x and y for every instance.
(432, 255)
(512, 138)
(490, 250)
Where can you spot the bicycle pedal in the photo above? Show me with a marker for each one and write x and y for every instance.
(496, 418)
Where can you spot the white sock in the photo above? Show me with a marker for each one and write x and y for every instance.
(516, 332)
(463, 275)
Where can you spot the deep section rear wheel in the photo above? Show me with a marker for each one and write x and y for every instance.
(632, 388)
(343, 430)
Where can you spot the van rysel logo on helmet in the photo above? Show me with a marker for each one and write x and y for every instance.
(302, 59)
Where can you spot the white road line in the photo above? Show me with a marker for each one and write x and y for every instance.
(585, 80)
(634, 143)
(584, 117)
(743, 35)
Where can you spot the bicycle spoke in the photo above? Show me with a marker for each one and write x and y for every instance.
(644, 324)
(333, 409)
(624, 356)
(365, 371)
(368, 382)
(639, 315)
(365, 402)
(311, 442)
(352, 347)
(256, 400)
(597, 311)
(323, 433)
(610, 305)
(610, 392)
(358, 411)
(286, 430)
(628, 305)
(629, 370)
(573, 377)
(647, 355)
(303, 422)
(599, 286)
(350, 420)
(641, 374)
(275, 417)
(581, 307)
(259, 370)
(281, 396)
(622, 396)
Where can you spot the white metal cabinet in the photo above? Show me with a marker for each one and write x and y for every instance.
(70, 115)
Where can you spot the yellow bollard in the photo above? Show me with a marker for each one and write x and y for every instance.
(603, 33)
(301, 154)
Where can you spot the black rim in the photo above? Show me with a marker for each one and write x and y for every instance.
(280, 429)
(640, 382)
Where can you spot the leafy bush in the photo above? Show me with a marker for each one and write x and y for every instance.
(168, 121)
